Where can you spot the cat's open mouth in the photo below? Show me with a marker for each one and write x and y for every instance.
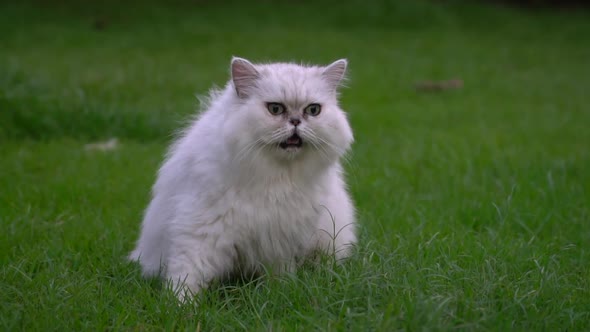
(294, 141)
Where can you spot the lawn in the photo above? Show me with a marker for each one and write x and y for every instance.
(473, 203)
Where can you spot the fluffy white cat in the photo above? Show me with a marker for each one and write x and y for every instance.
(255, 182)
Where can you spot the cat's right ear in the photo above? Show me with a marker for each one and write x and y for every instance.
(243, 75)
(335, 73)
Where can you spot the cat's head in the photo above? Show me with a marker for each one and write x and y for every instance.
(289, 111)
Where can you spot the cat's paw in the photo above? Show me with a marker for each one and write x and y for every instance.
(185, 294)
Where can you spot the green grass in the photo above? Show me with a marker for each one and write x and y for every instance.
(474, 204)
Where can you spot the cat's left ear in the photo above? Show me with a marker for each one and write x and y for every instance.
(335, 73)
(243, 75)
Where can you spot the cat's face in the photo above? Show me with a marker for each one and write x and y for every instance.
(288, 111)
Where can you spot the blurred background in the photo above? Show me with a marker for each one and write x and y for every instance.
(95, 69)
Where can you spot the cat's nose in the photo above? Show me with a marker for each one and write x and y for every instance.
(295, 121)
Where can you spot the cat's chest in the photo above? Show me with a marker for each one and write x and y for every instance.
(277, 207)
(271, 226)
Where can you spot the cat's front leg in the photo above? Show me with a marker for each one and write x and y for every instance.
(336, 234)
(194, 263)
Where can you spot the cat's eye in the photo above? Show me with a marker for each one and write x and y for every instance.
(275, 108)
(313, 109)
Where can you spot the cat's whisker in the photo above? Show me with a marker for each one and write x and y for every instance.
(281, 132)
(312, 134)
(246, 150)
(321, 150)
(260, 143)
(311, 137)
(339, 151)
(243, 152)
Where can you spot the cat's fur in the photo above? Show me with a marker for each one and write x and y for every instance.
(229, 199)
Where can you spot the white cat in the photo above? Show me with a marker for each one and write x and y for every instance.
(255, 182)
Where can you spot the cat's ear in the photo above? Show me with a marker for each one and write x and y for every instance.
(244, 76)
(335, 73)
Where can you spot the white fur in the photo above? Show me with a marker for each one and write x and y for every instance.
(228, 199)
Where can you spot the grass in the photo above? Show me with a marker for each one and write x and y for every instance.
(474, 204)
